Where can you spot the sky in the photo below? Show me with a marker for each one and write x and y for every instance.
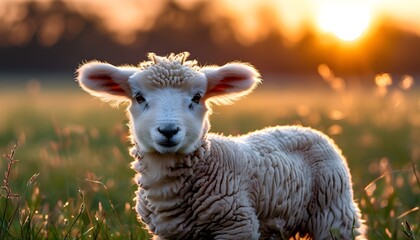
(250, 17)
(348, 35)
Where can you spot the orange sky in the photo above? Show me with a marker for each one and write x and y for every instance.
(291, 17)
(250, 19)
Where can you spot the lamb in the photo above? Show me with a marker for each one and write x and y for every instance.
(276, 183)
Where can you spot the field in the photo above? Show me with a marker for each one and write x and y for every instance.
(72, 179)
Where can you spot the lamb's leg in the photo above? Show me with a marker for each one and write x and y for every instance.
(336, 215)
(243, 225)
(326, 226)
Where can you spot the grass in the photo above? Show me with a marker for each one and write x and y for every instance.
(69, 176)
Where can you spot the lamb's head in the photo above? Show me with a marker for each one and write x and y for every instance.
(169, 97)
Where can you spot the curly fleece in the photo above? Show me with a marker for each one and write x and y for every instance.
(270, 184)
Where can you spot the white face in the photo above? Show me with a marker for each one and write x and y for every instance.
(167, 119)
(168, 97)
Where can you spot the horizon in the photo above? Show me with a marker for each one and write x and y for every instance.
(278, 37)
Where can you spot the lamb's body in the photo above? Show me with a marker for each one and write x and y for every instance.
(277, 182)
(270, 184)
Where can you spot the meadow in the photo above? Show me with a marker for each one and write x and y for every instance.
(66, 165)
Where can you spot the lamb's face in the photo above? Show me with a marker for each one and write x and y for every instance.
(168, 97)
(168, 118)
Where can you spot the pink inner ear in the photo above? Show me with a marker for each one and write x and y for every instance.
(220, 87)
(226, 83)
(106, 82)
(233, 78)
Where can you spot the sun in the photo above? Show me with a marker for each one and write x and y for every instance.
(347, 20)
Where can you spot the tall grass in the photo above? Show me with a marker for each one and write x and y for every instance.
(73, 179)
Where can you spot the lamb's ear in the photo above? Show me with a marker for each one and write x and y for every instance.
(106, 81)
(230, 82)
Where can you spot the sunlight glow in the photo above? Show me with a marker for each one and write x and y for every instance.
(249, 22)
(347, 20)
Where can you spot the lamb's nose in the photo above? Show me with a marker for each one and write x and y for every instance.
(168, 131)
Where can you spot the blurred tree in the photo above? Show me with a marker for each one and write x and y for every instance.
(54, 36)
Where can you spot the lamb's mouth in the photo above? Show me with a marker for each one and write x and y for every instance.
(168, 144)
(167, 147)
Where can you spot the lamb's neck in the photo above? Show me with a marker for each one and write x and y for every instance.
(157, 170)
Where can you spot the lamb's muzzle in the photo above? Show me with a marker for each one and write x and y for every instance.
(269, 184)
(168, 131)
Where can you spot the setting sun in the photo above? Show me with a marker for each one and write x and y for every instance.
(346, 20)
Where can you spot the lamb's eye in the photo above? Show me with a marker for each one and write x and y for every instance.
(139, 98)
(196, 98)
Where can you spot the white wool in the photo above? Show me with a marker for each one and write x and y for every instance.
(274, 183)
(171, 71)
(261, 184)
